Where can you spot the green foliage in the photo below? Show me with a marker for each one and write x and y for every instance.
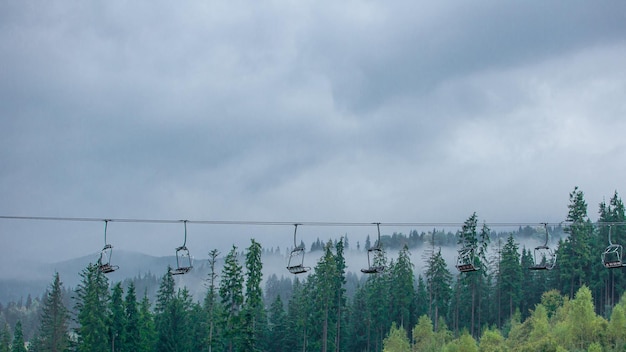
(53, 334)
(510, 278)
(117, 323)
(231, 294)
(254, 335)
(147, 329)
(424, 336)
(92, 305)
(18, 339)
(172, 322)
(402, 289)
(438, 280)
(277, 327)
(396, 340)
(492, 341)
(131, 337)
(5, 339)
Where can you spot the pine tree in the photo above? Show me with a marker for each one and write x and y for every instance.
(510, 279)
(18, 339)
(277, 327)
(299, 309)
(172, 317)
(323, 300)
(377, 297)
(53, 333)
(92, 298)
(254, 317)
(438, 280)
(5, 339)
(211, 306)
(147, 329)
(340, 297)
(360, 322)
(402, 289)
(575, 259)
(117, 320)
(131, 336)
(231, 294)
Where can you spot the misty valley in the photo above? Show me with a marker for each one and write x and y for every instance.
(418, 298)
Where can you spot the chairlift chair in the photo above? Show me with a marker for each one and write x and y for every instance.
(376, 252)
(612, 255)
(183, 258)
(104, 262)
(544, 256)
(465, 261)
(295, 265)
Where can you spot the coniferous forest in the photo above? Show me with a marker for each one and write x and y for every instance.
(579, 305)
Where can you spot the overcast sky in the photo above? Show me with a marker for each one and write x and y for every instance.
(349, 111)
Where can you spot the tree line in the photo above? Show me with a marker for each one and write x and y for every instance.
(502, 304)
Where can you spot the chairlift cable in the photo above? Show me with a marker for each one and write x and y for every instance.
(291, 223)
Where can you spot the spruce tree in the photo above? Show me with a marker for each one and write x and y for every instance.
(277, 327)
(131, 335)
(147, 329)
(92, 305)
(340, 297)
(172, 317)
(18, 339)
(574, 265)
(510, 279)
(402, 289)
(211, 305)
(254, 317)
(117, 319)
(5, 339)
(438, 280)
(231, 295)
(53, 333)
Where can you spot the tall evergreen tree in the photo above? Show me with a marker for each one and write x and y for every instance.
(18, 339)
(323, 300)
(211, 306)
(510, 279)
(467, 298)
(147, 329)
(117, 319)
(277, 327)
(92, 305)
(402, 289)
(231, 294)
(131, 336)
(5, 338)
(340, 297)
(299, 309)
(377, 297)
(439, 280)
(575, 254)
(53, 333)
(172, 317)
(254, 316)
(360, 320)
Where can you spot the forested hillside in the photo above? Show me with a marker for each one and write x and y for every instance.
(502, 306)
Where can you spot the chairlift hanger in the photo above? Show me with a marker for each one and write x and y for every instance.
(104, 262)
(612, 255)
(296, 266)
(466, 260)
(183, 258)
(374, 265)
(544, 256)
